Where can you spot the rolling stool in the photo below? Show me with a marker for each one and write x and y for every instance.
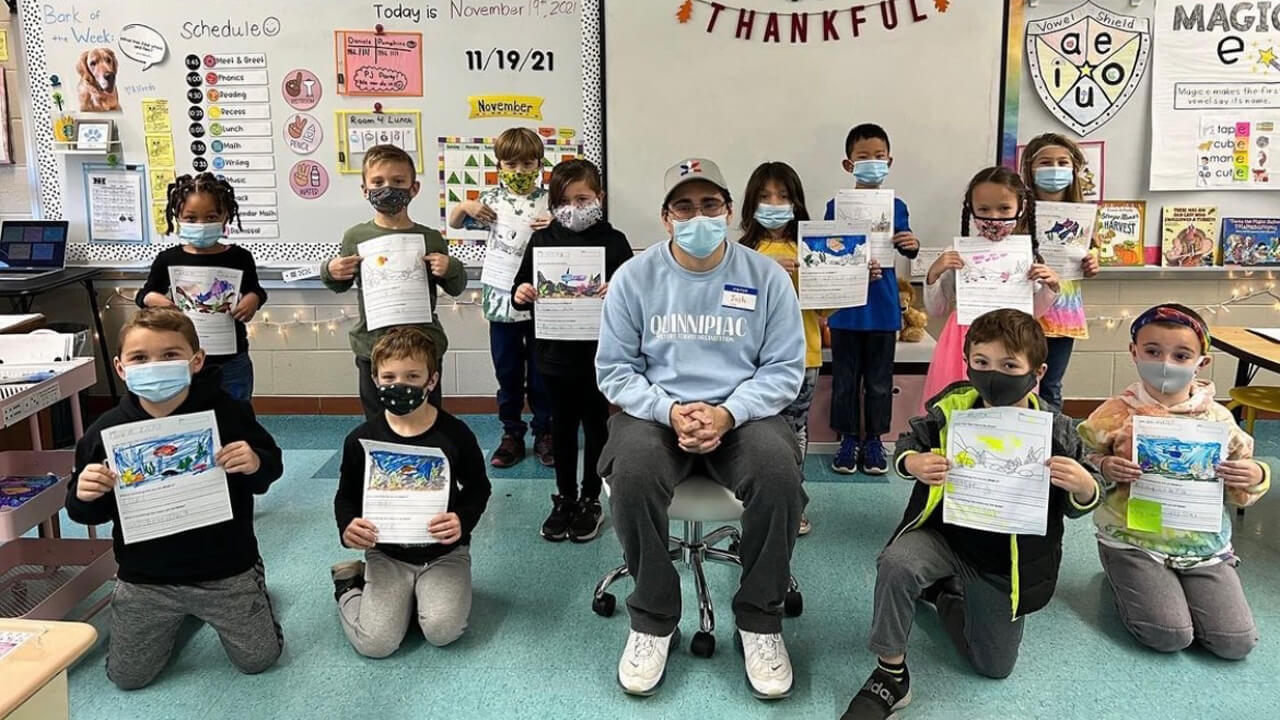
(1253, 398)
(698, 500)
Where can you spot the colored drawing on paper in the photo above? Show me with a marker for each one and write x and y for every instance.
(387, 64)
(861, 214)
(174, 456)
(1178, 459)
(569, 285)
(381, 269)
(994, 266)
(219, 297)
(1006, 455)
(835, 250)
(1087, 62)
(401, 471)
(16, 490)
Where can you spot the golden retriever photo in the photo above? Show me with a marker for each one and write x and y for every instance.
(97, 68)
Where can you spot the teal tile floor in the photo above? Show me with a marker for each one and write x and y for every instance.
(535, 650)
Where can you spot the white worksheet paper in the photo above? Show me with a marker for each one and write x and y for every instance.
(167, 481)
(999, 480)
(504, 250)
(833, 266)
(405, 486)
(115, 200)
(393, 281)
(872, 210)
(208, 295)
(1066, 234)
(1179, 459)
(994, 276)
(569, 281)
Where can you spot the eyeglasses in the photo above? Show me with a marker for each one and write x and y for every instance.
(687, 209)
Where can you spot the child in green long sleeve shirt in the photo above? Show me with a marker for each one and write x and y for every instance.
(390, 183)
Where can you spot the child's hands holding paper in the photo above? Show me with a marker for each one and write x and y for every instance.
(928, 468)
(446, 527)
(238, 457)
(1240, 474)
(360, 534)
(1066, 473)
(95, 481)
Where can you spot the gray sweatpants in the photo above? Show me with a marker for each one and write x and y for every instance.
(145, 620)
(974, 612)
(1166, 608)
(375, 619)
(758, 461)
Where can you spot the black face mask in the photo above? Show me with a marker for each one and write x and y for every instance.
(390, 200)
(401, 399)
(1000, 390)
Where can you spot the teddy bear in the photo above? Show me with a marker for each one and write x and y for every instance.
(914, 319)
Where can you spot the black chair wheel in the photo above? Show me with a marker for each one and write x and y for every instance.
(703, 645)
(735, 547)
(604, 605)
(793, 605)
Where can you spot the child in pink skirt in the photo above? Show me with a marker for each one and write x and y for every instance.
(999, 205)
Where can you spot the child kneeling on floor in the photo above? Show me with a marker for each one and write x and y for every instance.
(214, 572)
(982, 583)
(1173, 586)
(376, 597)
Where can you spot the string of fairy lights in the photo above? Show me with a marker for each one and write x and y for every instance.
(264, 321)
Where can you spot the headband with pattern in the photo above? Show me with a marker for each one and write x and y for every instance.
(1166, 314)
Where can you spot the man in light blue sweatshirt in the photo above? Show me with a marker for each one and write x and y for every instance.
(702, 345)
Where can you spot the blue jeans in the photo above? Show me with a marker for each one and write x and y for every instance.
(1059, 357)
(237, 376)
(511, 345)
(862, 381)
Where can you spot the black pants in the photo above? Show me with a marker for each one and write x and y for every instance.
(577, 401)
(759, 462)
(862, 381)
(369, 390)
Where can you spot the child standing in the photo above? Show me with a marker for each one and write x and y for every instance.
(203, 205)
(863, 339)
(520, 154)
(376, 597)
(1173, 587)
(215, 572)
(982, 583)
(389, 182)
(998, 205)
(1051, 164)
(772, 208)
(568, 367)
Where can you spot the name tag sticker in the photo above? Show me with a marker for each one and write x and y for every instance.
(301, 273)
(739, 297)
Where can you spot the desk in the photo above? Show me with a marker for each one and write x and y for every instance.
(1253, 351)
(22, 293)
(16, 324)
(35, 672)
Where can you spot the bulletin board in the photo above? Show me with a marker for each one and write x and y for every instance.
(747, 81)
(270, 94)
(1129, 140)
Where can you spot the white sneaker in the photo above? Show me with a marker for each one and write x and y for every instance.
(768, 665)
(644, 662)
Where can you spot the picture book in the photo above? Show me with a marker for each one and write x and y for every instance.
(1251, 241)
(1119, 233)
(1189, 236)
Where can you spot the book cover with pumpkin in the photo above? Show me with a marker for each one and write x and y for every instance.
(1189, 236)
(1122, 225)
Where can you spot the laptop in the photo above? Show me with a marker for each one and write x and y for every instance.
(32, 248)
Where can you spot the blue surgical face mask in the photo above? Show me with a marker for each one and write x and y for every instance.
(871, 172)
(700, 236)
(201, 235)
(773, 217)
(158, 381)
(1054, 178)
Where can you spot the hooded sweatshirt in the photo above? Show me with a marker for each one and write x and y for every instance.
(730, 336)
(1109, 431)
(209, 553)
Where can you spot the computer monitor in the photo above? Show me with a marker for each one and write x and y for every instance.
(33, 245)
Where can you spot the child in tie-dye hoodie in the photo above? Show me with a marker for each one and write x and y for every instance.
(1172, 586)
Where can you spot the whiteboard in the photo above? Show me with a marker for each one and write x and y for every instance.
(933, 85)
(264, 53)
(1127, 137)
